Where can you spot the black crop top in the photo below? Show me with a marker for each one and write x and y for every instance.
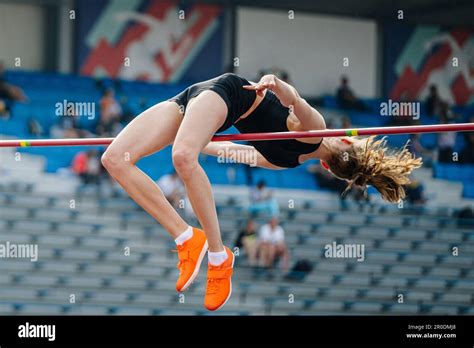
(271, 116)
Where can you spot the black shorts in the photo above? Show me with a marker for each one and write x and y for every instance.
(229, 87)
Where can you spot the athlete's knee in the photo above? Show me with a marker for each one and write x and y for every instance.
(184, 160)
(115, 160)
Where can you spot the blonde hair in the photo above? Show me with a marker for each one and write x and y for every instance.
(374, 164)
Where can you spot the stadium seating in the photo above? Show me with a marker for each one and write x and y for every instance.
(82, 254)
(455, 172)
(82, 250)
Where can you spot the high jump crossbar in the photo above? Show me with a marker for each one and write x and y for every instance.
(328, 133)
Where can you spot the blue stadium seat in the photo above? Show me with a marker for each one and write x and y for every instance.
(329, 102)
(468, 190)
(367, 119)
(455, 172)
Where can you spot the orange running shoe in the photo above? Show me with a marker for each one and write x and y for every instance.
(190, 255)
(219, 283)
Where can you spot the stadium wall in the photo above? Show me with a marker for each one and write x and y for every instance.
(318, 45)
(27, 40)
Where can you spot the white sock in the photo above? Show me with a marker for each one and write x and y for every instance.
(217, 258)
(183, 237)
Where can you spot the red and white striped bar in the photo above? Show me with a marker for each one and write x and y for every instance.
(328, 133)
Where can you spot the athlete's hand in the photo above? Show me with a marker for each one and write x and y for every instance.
(266, 82)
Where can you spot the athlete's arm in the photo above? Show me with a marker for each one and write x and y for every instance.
(289, 97)
(238, 153)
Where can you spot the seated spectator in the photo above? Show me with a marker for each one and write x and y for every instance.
(8, 92)
(326, 180)
(110, 114)
(433, 101)
(465, 217)
(418, 150)
(247, 241)
(346, 123)
(467, 153)
(262, 201)
(4, 110)
(404, 117)
(347, 99)
(415, 193)
(445, 113)
(86, 165)
(446, 143)
(300, 270)
(34, 127)
(64, 129)
(172, 188)
(67, 127)
(127, 113)
(272, 247)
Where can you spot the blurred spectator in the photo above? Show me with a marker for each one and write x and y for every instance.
(64, 128)
(465, 217)
(4, 110)
(272, 245)
(285, 76)
(142, 104)
(415, 193)
(326, 180)
(278, 72)
(467, 153)
(249, 171)
(262, 201)
(329, 124)
(86, 165)
(34, 127)
(445, 113)
(300, 270)
(418, 150)
(404, 117)
(415, 146)
(247, 241)
(67, 127)
(127, 113)
(359, 194)
(347, 99)
(446, 143)
(346, 123)
(110, 113)
(9, 92)
(172, 188)
(433, 101)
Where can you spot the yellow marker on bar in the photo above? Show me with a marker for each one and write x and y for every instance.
(24, 143)
(352, 133)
